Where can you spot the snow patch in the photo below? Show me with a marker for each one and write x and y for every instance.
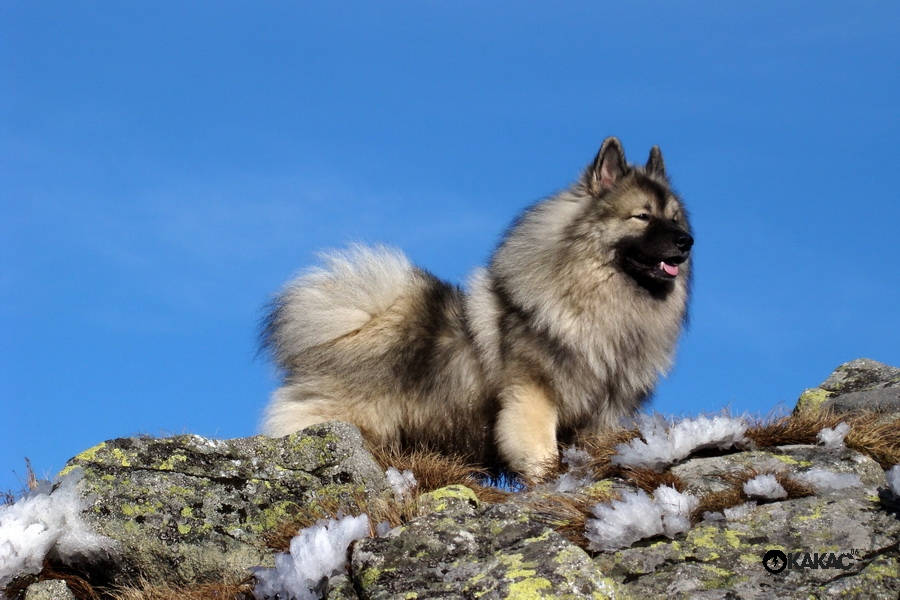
(764, 487)
(578, 474)
(401, 483)
(316, 553)
(736, 513)
(826, 481)
(662, 446)
(43, 522)
(893, 480)
(636, 516)
(833, 438)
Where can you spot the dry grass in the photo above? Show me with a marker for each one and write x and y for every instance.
(648, 479)
(870, 432)
(602, 448)
(31, 483)
(801, 428)
(225, 590)
(434, 471)
(568, 513)
(719, 501)
(734, 495)
(79, 586)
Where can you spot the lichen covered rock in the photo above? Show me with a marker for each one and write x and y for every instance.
(726, 554)
(186, 509)
(467, 550)
(861, 384)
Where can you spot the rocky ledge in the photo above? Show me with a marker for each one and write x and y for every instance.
(797, 507)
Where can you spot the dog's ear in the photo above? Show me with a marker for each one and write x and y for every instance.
(608, 167)
(655, 164)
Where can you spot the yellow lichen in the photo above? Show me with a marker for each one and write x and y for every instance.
(169, 463)
(120, 456)
(528, 589)
(89, 455)
(812, 399)
(439, 500)
(815, 513)
(792, 461)
(732, 537)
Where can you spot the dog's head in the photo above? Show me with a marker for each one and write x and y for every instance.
(644, 219)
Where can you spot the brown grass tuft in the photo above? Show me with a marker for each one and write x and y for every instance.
(794, 487)
(568, 513)
(225, 590)
(79, 586)
(719, 501)
(602, 448)
(734, 495)
(434, 471)
(801, 428)
(873, 434)
(648, 479)
(870, 432)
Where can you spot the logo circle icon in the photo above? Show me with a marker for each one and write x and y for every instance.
(775, 561)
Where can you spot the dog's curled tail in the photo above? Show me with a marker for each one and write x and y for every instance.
(334, 300)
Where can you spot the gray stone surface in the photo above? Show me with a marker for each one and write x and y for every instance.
(463, 550)
(723, 558)
(52, 589)
(861, 375)
(858, 385)
(186, 509)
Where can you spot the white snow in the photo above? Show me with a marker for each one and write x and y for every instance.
(578, 474)
(833, 438)
(893, 480)
(764, 487)
(736, 513)
(662, 446)
(825, 481)
(636, 516)
(42, 522)
(316, 553)
(401, 483)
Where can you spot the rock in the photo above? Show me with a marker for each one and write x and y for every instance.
(466, 550)
(862, 384)
(700, 474)
(51, 589)
(187, 509)
(724, 557)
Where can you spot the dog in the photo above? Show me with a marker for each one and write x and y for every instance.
(565, 332)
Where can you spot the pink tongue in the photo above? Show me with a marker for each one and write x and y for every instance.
(670, 269)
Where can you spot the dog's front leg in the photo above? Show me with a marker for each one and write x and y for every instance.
(526, 429)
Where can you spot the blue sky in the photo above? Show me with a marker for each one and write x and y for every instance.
(166, 166)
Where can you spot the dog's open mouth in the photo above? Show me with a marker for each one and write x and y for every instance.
(669, 270)
(665, 269)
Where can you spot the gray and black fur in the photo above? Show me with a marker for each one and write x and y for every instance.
(564, 333)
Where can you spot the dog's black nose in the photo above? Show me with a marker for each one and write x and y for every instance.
(683, 241)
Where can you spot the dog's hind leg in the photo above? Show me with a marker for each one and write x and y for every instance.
(526, 430)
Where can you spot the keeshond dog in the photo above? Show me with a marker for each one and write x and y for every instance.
(565, 332)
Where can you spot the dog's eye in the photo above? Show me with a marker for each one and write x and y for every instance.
(641, 217)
